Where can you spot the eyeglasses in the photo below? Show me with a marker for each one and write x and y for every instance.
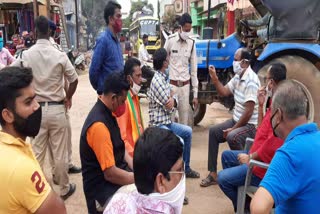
(266, 79)
(178, 172)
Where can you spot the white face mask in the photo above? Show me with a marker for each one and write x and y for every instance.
(175, 197)
(184, 35)
(135, 87)
(269, 91)
(237, 67)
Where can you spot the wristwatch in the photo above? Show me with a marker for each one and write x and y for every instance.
(250, 156)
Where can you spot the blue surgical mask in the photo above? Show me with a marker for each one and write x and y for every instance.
(1, 44)
(167, 74)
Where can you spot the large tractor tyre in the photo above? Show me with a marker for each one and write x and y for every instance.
(199, 113)
(308, 77)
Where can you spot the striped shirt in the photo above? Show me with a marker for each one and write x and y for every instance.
(159, 94)
(244, 90)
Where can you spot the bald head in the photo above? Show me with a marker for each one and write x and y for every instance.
(242, 53)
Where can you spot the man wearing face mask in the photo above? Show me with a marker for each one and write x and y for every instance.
(50, 66)
(244, 86)
(106, 166)
(158, 175)
(234, 162)
(292, 182)
(183, 68)
(23, 187)
(163, 103)
(5, 56)
(131, 123)
(107, 56)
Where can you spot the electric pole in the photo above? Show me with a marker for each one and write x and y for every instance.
(35, 9)
(77, 24)
(48, 9)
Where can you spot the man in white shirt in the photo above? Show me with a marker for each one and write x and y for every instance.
(144, 56)
(183, 68)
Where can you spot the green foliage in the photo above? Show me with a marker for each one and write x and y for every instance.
(93, 10)
(170, 18)
(136, 6)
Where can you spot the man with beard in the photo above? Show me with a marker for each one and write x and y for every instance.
(50, 66)
(131, 123)
(23, 186)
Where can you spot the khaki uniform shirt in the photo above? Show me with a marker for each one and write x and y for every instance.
(49, 67)
(181, 56)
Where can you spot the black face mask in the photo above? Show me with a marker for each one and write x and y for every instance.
(29, 126)
(276, 126)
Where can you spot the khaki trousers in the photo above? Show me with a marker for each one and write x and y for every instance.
(69, 147)
(53, 134)
(184, 109)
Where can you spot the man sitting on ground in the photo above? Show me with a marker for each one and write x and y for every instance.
(131, 123)
(158, 174)
(106, 166)
(23, 187)
(162, 105)
(234, 162)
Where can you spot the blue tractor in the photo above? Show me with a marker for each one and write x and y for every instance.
(295, 41)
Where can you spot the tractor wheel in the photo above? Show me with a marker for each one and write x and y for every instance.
(199, 113)
(308, 77)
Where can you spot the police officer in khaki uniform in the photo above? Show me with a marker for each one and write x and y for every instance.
(183, 68)
(50, 66)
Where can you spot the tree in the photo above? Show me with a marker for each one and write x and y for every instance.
(94, 11)
(136, 6)
(170, 18)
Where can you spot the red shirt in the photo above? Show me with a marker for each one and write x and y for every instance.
(265, 144)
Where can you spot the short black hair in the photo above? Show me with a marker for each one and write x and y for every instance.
(145, 36)
(156, 151)
(42, 25)
(245, 54)
(176, 26)
(12, 80)
(110, 9)
(278, 71)
(130, 64)
(159, 57)
(115, 83)
(185, 18)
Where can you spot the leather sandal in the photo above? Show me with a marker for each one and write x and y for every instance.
(208, 181)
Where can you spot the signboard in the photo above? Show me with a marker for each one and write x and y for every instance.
(149, 22)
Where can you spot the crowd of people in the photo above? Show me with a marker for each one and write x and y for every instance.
(129, 168)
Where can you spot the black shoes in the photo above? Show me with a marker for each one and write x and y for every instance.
(74, 170)
(72, 189)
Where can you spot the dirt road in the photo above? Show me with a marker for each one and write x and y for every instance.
(201, 200)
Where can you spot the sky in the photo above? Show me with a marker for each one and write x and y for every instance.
(126, 5)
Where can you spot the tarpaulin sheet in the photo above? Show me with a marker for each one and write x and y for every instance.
(294, 19)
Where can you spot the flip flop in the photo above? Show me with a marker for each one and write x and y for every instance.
(208, 181)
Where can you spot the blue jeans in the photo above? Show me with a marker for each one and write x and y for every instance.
(185, 132)
(233, 175)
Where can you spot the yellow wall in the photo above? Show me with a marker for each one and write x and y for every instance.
(43, 10)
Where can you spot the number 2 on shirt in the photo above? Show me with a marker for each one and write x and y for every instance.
(39, 185)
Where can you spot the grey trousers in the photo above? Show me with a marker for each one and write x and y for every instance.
(236, 140)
